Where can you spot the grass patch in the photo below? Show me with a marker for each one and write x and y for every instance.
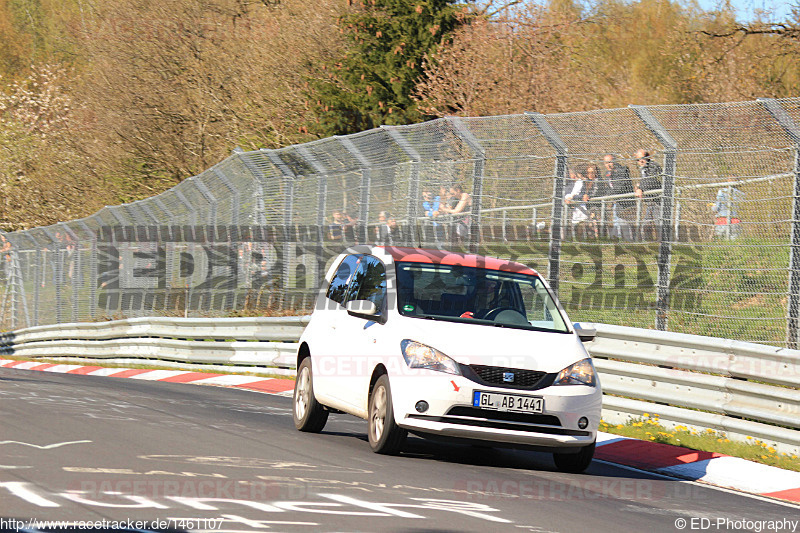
(650, 428)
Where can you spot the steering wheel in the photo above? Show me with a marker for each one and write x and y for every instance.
(506, 315)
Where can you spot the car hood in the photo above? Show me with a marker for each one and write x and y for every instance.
(496, 346)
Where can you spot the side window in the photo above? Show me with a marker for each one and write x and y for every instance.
(338, 287)
(369, 282)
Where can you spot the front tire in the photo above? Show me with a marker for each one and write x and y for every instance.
(385, 436)
(575, 463)
(308, 413)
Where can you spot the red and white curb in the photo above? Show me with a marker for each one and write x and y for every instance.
(271, 385)
(707, 467)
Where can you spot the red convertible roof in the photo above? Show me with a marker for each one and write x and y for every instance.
(444, 257)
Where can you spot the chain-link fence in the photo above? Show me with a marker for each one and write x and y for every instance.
(683, 217)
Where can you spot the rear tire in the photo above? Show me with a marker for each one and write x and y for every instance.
(308, 413)
(575, 463)
(385, 436)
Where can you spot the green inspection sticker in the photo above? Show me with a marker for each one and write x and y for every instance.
(408, 308)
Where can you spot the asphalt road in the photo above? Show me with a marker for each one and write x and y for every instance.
(148, 455)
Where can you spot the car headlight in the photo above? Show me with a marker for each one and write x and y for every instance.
(418, 355)
(580, 373)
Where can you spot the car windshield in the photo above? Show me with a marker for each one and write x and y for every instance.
(476, 295)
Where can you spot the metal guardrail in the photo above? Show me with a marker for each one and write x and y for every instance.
(242, 341)
(742, 389)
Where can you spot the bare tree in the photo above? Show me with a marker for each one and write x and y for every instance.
(179, 83)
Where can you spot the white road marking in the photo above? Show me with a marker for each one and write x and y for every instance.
(45, 447)
(231, 379)
(155, 375)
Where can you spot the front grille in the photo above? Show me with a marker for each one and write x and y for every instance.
(494, 375)
(476, 412)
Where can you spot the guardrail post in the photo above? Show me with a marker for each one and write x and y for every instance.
(366, 182)
(477, 180)
(783, 118)
(554, 259)
(412, 211)
(667, 197)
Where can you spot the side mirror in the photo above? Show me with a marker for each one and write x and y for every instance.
(585, 334)
(362, 309)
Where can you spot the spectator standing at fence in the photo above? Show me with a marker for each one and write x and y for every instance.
(385, 230)
(5, 247)
(336, 227)
(617, 180)
(348, 226)
(591, 190)
(430, 203)
(459, 205)
(574, 199)
(430, 206)
(388, 232)
(378, 230)
(727, 224)
(649, 180)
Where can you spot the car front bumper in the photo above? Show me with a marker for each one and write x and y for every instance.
(450, 412)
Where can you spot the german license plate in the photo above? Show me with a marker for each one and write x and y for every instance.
(507, 402)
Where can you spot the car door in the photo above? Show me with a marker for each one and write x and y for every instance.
(361, 334)
(327, 344)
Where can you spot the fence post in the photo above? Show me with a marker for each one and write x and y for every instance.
(58, 269)
(288, 213)
(665, 223)
(212, 201)
(143, 206)
(366, 183)
(288, 186)
(783, 118)
(258, 176)
(234, 193)
(677, 214)
(322, 190)
(413, 187)
(92, 267)
(76, 269)
(188, 205)
(477, 180)
(554, 256)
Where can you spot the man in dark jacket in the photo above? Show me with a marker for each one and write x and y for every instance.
(650, 180)
(617, 180)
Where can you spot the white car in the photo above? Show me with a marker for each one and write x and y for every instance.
(448, 345)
